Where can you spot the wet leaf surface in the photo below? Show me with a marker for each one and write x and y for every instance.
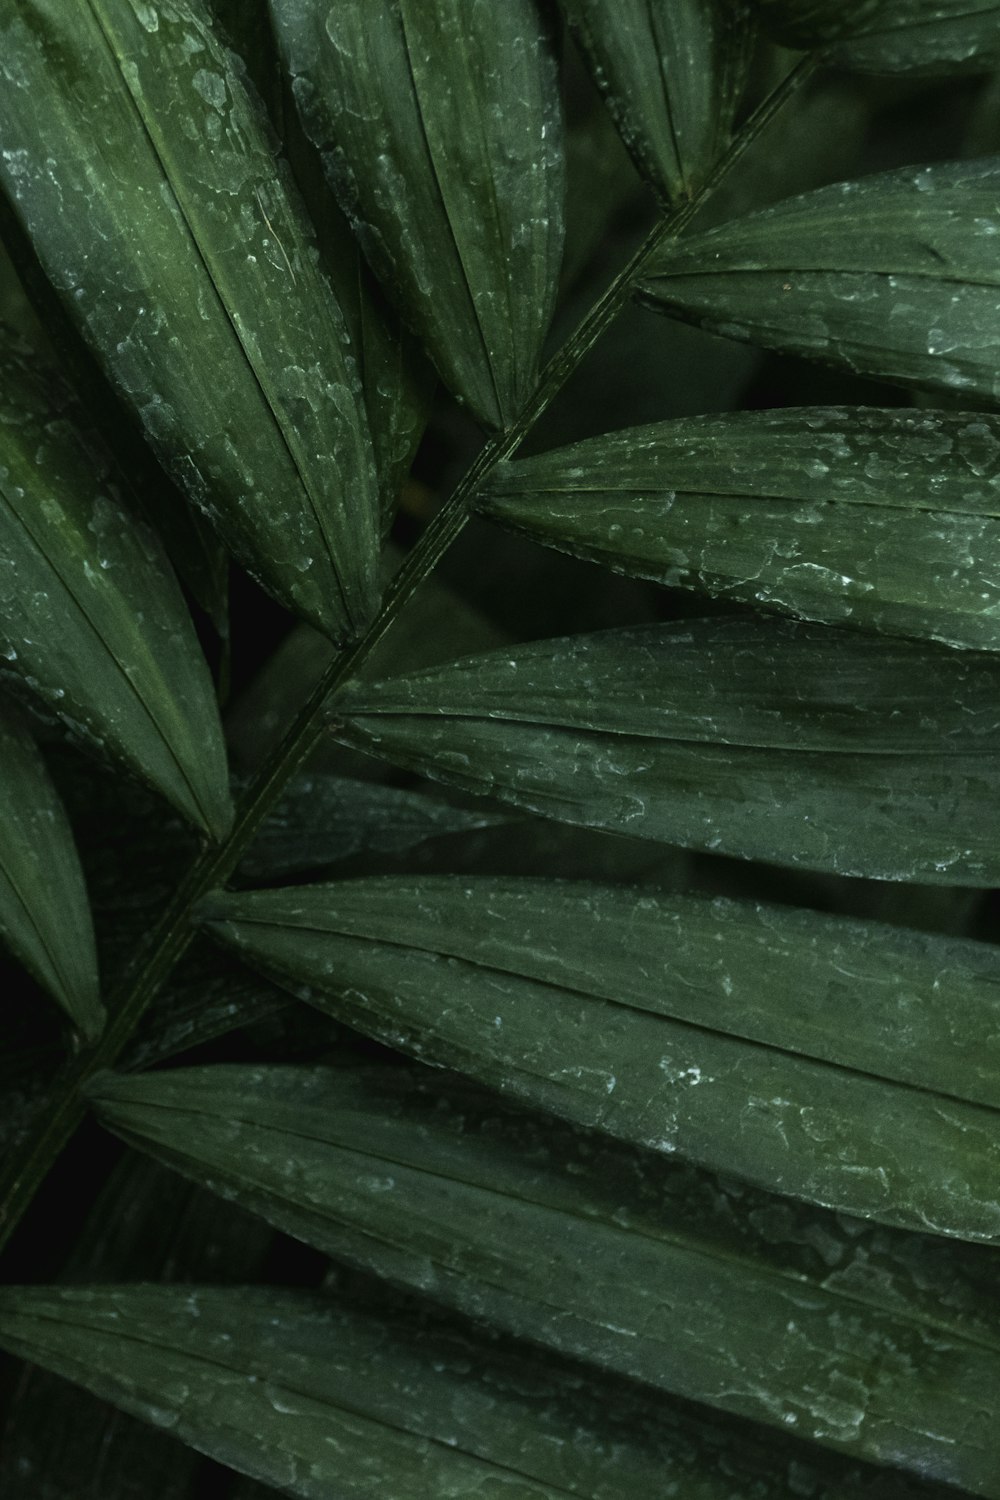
(170, 233)
(44, 915)
(843, 1062)
(871, 1344)
(895, 276)
(439, 122)
(800, 745)
(889, 520)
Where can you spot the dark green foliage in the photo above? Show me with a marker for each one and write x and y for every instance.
(512, 857)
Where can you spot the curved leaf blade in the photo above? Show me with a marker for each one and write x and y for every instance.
(91, 617)
(644, 1269)
(397, 382)
(44, 914)
(767, 740)
(888, 520)
(60, 1444)
(894, 276)
(178, 249)
(439, 124)
(891, 36)
(671, 75)
(318, 1399)
(845, 1063)
(325, 818)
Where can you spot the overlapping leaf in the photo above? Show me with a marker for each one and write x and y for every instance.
(324, 819)
(91, 617)
(44, 916)
(205, 1000)
(439, 122)
(317, 1399)
(874, 1344)
(671, 72)
(170, 233)
(885, 519)
(764, 739)
(895, 275)
(397, 381)
(61, 1444)
(846, 1063)
(891, 36)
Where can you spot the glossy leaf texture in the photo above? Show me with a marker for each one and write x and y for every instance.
(891, 36)
(44, 914)
(888, 520)
(319, 1399)
(846, 1063)
(171, 234)
(895, 276)
(671, 72)
(830, 750)
(640, 1267)
(397, 381)
(439, 124)
(91, 617)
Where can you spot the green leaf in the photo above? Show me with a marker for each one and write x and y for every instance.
(895, 275)
(847, 1063)
(170, 232)
(61, 1444)
(864, 1342)
(672, 72)
(763, 739)
(325, 818)
(883, 519)
(44, 915)
(396, 379)
(439, 623)
(439, 124)
(397, 382)
(207, 998)
(891, 36)
(91, 617)
(321, 1400)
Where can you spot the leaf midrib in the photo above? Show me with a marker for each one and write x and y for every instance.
(258, 373)
(67, 584)
(293, 1390)
(702, 1248)
(658, 491)
(456, 239)
(850, 1069)
(377, 711)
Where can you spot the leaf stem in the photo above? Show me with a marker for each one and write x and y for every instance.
(173, 934)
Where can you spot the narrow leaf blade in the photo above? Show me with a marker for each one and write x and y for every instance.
(671, 76)
(91, 616)
(324, 819)
(319, 1399)
(841, 1062)
(888, 520)
(763, 739)
(645, 1269)
(226, 342)
(61, 1444)
(397, 382)
(439, 123)
(894, 276)
(891, 36)
(44, 915)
